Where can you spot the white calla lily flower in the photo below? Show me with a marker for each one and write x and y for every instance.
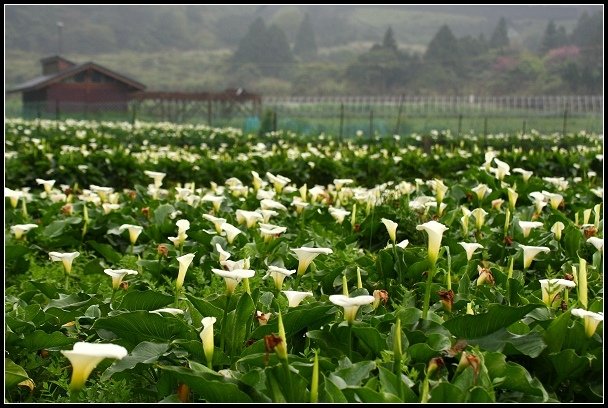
(598, 243)
(233, 277)
(351, 304)
(206, 336)
(118, 275)
(551, 288)
(278, 274)
(86, 356)
(530, 253)
(134, 231)
(184, 263)
(21, 229)
(435, 232)
(590, 320)
(67, 258)
(231, 231)
(527, 226)
(391, 228)
(294, 297)
(470, 248)
(306, 255)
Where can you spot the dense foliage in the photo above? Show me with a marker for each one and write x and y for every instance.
(434, 268)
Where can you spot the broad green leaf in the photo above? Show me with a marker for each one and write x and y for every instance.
(39, 340)
(356, 373)
(205, 308)
(211, 388)
(568, 364)
(106, 251)
(54, 229)
(145, 300)
(331, 393)
(479, 395)
(371, 338)
(93, 268)
(144, 353)
(388, 384)
(239, 323)
(497, 317)
(530, 344)
(556, 333)
(446, 392)
(135, 327)
(514, 377)
(12, 252)
(308, 316)
(162, 213)
(73, 301)
(13, 374)
(367, 395)
(47, 289)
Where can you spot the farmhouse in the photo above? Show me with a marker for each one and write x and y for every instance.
(65, 86)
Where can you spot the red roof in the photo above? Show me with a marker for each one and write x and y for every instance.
(46, 80)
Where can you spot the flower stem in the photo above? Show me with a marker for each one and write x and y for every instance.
(350, 341)
(223, 334)
(112, 298)
(176, 298)
(398, 262)
(427, 292)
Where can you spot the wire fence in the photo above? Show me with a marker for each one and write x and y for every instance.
(351, 116)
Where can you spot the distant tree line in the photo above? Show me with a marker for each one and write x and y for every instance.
(566, 63)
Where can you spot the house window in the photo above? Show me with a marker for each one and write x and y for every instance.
(79, 77)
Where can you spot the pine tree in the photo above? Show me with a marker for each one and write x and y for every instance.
(500, 37)
(306, 44)
(389, 43)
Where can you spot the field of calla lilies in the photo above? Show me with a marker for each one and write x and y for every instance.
(168, 263)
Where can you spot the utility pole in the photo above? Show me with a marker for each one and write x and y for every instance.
(59, 27)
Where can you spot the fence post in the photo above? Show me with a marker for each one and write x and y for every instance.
(485, 132)
(459, 123)
(523, 129)
(274, 120)
(396, 132)
(209, 112)
(134, 118)
(341, 120)
(57, 113)
(565, 123)
(371, 124)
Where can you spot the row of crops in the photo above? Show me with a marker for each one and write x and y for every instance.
(158, 262)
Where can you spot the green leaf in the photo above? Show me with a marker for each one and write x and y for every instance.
(497, 317)
(238, 324)
(162, 213)
(46, 289)
(511, 376)
(367, 395)
(479, 395)
(530, 344)
(12, 252)
(308, 316)
(371, 337)
(13, 374)
(106, 251)
(39, 340)
(331, 393)
(135, 327)
(557, 332)
(54, 229)
(73, 301)
(205, 308)
(356, 373)
(93, 268)
(568, 364)
(572, 239)
(388, 384)
(211, 388)
(446, 392)
(145, 300)
(144, 353)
